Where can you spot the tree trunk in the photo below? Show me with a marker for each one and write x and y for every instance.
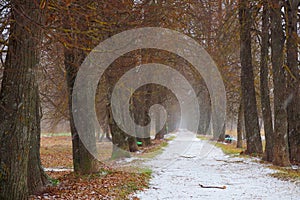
(240, 125)
(19, 103)
(222, 133)
(119, 139)
(146, 118)
(264, 88)
(280, 149)
(37, 178)
(122, 142)
(293, 107)
(132, 141)
(254, 145)
(160, 133)
(141, 114)
(83, 161)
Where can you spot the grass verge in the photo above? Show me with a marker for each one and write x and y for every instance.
(204, 137)
(56, 134)
(283, 173)
(286, 174)
(155, 149)
(56, 151)
(229, 149)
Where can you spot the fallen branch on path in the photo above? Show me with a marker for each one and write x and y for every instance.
(218, 187)
(183, 156)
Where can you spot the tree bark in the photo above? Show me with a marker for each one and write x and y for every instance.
(19, 103)
(254, 145)
(120, 143)
(264, 88)
(141, 113)
(293, 106)
(132, 141)
(159, 134)
(83, 161)
(280, 149)
(37, 178)
(240, 126)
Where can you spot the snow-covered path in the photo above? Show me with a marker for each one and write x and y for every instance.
(188, 162)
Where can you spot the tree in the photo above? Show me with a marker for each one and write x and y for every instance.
(254, 145)
(93, 22)
(74, 20)
(264, 88)
(280, 148)
(83, 160)
(293, 80)
(240, 126)
(63, 48)
(19, 104)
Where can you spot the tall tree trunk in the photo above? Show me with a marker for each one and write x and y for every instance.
(120, 139)
(149, 98)
(264, 88)
(280, 149)
(240, 126)
(254, 145)
(37, 178)
(83, 161)
(293, 107)
(19, 103)
(159, 134)
(142, 113)
(132, 141)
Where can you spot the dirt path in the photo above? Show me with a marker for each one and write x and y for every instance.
(188, 162)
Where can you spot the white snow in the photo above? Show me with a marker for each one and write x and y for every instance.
(188, 162)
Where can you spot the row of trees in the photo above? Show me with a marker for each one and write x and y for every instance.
(32, 29)
(53, 38)
(278, 34)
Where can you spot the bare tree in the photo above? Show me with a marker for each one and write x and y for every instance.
(293, 80)
(264, 87)
(254, 145)
(20, 105)
(280, 148)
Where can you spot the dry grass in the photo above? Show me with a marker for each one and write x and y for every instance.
(56, 151)
(286, 174)
(229, 149)
(153, 150)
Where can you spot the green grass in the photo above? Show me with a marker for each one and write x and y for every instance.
(286, 174)
(151, 153)
(131, 186)
(54, 182)
(203, 137)
(155, 151)
(146, 171)
(56, 134)
(229, 149)
(170, 138)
